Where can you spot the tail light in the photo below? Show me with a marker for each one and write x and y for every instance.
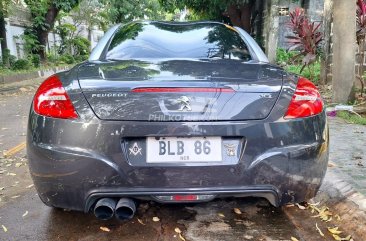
(306, 101)
(52, 100)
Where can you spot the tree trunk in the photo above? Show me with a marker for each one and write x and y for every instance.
(4, 44)
(272, 25)
(42, 33)
(90, 36)
(344, 49)
(325, 60)
(241, 15)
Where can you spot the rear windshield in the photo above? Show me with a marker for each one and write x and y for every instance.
(165, 40)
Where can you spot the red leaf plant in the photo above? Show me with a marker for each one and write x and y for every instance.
(305, 37)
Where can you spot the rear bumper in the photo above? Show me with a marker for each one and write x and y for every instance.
(74, 163)
(266, 191)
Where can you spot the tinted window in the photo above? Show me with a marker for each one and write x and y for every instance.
(164, 40)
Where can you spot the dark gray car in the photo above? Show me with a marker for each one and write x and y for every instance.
(175, 112)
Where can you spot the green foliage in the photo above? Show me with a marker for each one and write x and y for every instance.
(31, 43)
(66, 32)
(202, 9)
(286, 59)
(81, 45)
(44, 14)
(35, 59)
(311, 72)
(128, 10)
(284, 56)
(67, 59)
(21, 64)
(351, 118)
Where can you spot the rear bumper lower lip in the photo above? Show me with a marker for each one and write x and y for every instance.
(268, 192)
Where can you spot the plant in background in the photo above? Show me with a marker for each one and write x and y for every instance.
(21, 64)
(361, 40)
(81, 46)
(305, 38)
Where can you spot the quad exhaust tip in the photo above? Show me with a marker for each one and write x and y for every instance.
(106, 208)
(125, 209)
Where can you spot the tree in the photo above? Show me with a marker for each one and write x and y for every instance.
(44, 14)
(344, 49)
(4, 4)
(123, 11)
(91, 13)
(240, 12)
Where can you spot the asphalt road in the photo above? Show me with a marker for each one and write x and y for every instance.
(24, 217)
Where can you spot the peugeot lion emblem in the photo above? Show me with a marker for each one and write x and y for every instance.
(185, 104)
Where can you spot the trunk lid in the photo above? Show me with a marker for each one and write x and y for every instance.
(180, 90)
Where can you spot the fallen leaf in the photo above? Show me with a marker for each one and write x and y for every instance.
(177, 230)
(337, 217)
(18, 164)
(181, 237)
(320, 232)
(11, 174)
(2, 188)
(156, 219)
(300, 206)
(237, 211)
(334, 230)
(290, 205)
(221, 215)
(30, 186)
(13, 197)
(314, 204)
(105, 229)
(140, 221)
(294, 239)
(25, 214)
(349, 237)
(4, 228)
(336, 237)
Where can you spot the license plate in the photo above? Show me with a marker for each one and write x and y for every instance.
(181, 150)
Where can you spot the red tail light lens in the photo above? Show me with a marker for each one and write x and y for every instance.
(306, 101)
(52, 100)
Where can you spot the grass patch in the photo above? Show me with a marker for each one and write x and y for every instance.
(351, 118)
(9, 72)
(286, 57)
(306, 72)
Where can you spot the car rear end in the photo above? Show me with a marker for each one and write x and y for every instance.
(176, 130)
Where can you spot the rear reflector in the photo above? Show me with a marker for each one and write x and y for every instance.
(185, 198)
(177, 90)
(305, 102)
(52, 100)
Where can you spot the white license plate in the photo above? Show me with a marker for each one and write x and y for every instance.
(182, 150)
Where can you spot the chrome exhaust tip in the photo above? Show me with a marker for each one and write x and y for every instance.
(104, 209)
(125, 209)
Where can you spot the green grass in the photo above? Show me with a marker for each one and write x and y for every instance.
(351, 118)
(9, 72)
(284, 56)
(306, 72)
